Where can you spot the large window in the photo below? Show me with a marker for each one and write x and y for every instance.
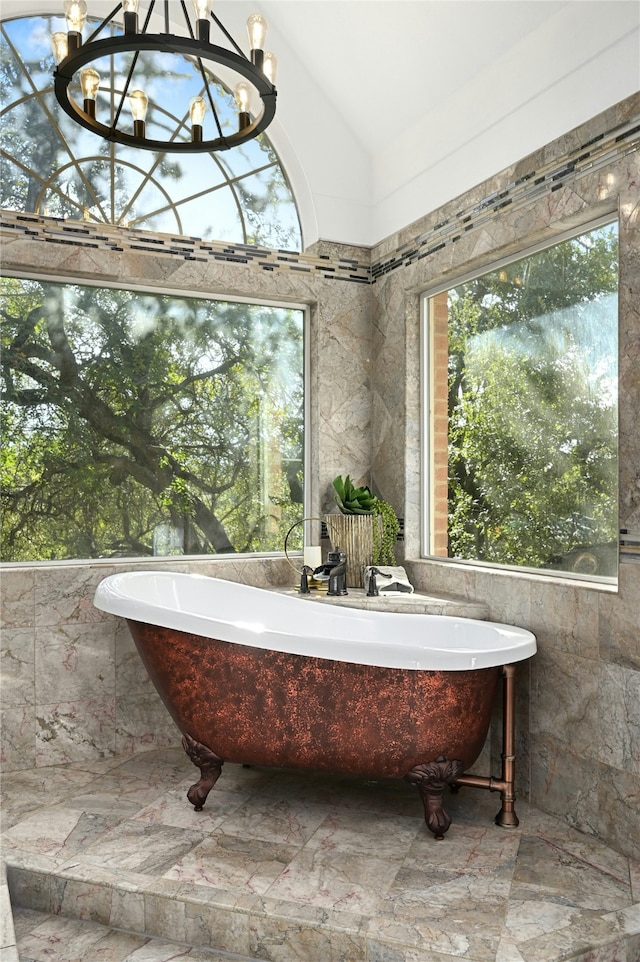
(141, 423)
(522, 421)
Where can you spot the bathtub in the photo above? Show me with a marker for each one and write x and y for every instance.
(264, 678)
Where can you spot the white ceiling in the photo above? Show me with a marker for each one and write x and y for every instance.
(389, 108)
(382, 64)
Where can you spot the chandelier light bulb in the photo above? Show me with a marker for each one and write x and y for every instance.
(138, 101)
(270, 67)
(76, 13)
(202, 9)
(130, 8)
(203, 14)
(197, 110)
(60, 46)
(243, 96)
(257, 29)
(89, 81)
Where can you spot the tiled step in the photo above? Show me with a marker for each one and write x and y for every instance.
(52, 938)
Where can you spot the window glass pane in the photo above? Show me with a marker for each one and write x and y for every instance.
(523, 428)
(268, 225)
(141, 423)
(248, 157)
(218, 213)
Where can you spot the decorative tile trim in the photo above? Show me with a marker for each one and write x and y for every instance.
(53, 230)
(593, 155)
(630, 545)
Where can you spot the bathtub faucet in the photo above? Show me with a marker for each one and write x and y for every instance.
(338, 575)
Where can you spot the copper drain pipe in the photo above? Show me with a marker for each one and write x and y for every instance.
(506, 817)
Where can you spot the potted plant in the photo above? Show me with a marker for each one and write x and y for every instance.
(367, 528)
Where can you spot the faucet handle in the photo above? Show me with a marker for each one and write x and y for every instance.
(304, 580)
(372, 587)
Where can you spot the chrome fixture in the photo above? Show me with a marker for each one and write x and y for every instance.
(133, 48)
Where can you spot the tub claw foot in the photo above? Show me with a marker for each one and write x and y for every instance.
(431, 780)
(210, 768)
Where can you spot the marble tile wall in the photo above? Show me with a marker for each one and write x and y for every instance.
(72, 686)
(579, 701)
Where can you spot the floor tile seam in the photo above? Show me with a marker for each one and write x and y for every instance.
(293, 913)
(623, 914)
(608, 941)
(46, 863)
(386, 939)
(225, 831)
(558, 896)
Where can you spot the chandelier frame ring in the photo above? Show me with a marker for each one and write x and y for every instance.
(185, 46)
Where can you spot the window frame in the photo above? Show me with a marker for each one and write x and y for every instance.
(426, 403)
(217, 296)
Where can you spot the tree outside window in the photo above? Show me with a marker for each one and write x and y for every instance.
(139, 423)
(527, 435)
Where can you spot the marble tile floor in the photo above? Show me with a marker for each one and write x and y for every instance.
(107, 862)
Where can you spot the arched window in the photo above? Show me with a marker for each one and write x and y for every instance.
(54, 167)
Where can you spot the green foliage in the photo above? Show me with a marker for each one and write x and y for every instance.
(384, 545)
(352, 500)
(125, 413)
(533, 406)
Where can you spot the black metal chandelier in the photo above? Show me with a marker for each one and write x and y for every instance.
(132, 51)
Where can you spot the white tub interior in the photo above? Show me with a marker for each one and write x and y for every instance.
(215, 608)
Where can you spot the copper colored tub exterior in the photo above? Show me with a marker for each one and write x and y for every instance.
(263, 707)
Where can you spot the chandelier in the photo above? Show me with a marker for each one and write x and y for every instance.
(136, 57)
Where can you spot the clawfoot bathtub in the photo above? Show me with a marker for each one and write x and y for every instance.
(263, 678)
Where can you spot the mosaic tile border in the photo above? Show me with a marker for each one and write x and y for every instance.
(597, 153)
(630, 545)
(53, 230)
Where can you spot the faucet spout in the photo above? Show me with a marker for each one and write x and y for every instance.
(338, 577)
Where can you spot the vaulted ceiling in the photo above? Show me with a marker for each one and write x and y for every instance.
(389, 108)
